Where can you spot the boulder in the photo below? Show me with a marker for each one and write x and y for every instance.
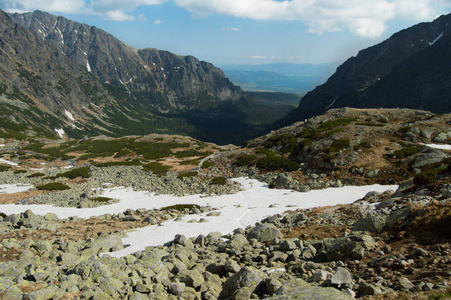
(370, 222)
(299, 289)
(248, 277)
(431, 156)
(342, 276)
(264, 232)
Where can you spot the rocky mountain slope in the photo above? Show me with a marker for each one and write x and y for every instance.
(164, 81)
(411, 69)
(391, 245)
(85, 82)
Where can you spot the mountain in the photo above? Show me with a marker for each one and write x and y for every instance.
(411, 69)
(62, 78)
(166, 82)
(279, 77)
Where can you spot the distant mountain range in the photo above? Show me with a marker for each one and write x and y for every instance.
(411, 69)
(279, 77)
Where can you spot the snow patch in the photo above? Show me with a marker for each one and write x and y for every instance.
(437, 146)
(239, 210)
(436, 39)
(69, 115)
(60, 132)
(2, 145)
(88, 66)
(332, 102)
(14, 188)
(8, 162)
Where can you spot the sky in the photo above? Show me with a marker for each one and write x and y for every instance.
(246, 31)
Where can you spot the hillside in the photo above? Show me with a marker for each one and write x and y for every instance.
(164, 208)
(85, 82)
(163, 81)
(411, 69)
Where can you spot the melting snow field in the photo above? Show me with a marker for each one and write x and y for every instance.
(441, 147)
(244, 208)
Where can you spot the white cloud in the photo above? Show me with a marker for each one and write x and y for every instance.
(117, 15)
(157, 22)
(62, 6)
(364, 18)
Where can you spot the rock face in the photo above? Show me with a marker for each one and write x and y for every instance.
(411, 70)
(165, 81)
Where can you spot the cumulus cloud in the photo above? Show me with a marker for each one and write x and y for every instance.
(364, 18)
(62, 6)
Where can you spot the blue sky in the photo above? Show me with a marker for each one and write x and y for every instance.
(246, 31)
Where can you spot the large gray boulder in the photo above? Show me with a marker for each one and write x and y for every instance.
(264, 232)
(370, 222)
(248, 277)
(432, 156)
(299, 289)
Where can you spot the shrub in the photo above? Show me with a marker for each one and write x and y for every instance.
(54, 186)
(404, 152)
(426, 177)
(339, 144)
(4, 168)
(35, 175)
(246, 160)
(82, 172)
(265, 151)
(276, 162)
(135, 162)
(191, 162)
(190, 153)
(404, 129)
(156, 168)
(180, 207)
(187, 174)
(219, 181)
(287, 142)
(100, 199)
(371, 124)
(363, 144)
(207, 164)
(19, 171)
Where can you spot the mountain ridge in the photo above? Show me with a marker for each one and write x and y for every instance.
(167, 82)
(372, 65)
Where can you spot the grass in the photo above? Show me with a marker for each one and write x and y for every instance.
(54, 186)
